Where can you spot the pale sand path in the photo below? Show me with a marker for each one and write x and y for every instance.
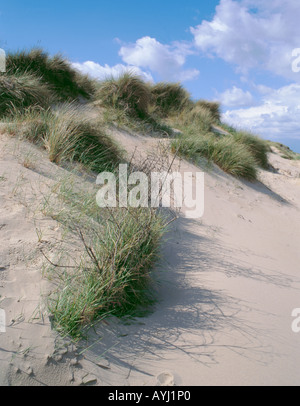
(228, 285)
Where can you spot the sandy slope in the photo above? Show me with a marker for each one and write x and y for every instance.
(30, 352)
(227, 286)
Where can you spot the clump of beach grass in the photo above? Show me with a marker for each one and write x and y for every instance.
(257, 146)
(198, 119)
(149, 125)
(68, 135)
(111, 273)
(54, 71)
(71, 136)
(19, 91)
(169, 98)
(128, 93)
(231, 156)
(212, 107)
(127, 102)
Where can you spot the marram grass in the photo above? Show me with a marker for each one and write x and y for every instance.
(169, 98)
(212, 107)
(128, 92)
(230, 156)
(112, 275)
(258, 147)
(20, 91)
(68, 136)
(54, 71)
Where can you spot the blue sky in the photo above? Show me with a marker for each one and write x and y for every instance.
(235, 51)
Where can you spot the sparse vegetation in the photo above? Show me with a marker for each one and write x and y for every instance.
(110, 271)
(284, 150)
(119, 247)
(29, 161)
(239, 153)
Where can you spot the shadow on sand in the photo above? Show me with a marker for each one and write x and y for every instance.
(189, 318)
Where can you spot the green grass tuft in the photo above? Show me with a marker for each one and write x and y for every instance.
(230, 156)
(128, 93)
(66, 82)
(112, 274)
(197, 119)
(257, 146)
(68, 136)
(169, 98)
(212, 107)
(17, 92)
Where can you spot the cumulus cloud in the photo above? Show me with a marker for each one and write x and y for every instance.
(278, 117)
(97, 71)
(253, 34)
(166, 60)
(144, 57)
(236, 97)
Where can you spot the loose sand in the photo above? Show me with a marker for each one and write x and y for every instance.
(227, 286)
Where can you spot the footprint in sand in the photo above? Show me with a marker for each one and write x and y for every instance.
(165, 379)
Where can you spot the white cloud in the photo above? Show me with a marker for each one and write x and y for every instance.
(236, 97)
(278, 117)
(165, 60)
(100, 72)
(146, 55)
(253, 34)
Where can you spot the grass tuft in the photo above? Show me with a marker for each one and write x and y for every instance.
(198, 119)
(128, 93)
(17, 92)
(258, 147)
(68, 136)
(230, 156)
(66, 82)
(169, 98)
(111, 274)
(212, 107)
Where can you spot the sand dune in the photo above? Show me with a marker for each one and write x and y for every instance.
(227, 286)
